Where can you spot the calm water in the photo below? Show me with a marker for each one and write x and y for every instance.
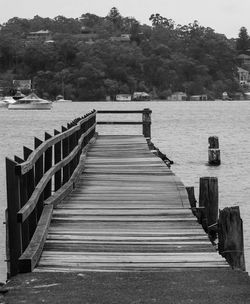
(179, 129)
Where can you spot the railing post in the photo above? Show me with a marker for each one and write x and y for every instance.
(47, 166)
(146, 123)
(65, 153)
(58, 158)
(30, 180)
(23, 200)
(38, 176)
(13, 228)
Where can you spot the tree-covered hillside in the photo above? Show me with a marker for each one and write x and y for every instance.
(91, 57)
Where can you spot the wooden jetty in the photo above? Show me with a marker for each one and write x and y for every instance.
(86, 203)
(127, 212)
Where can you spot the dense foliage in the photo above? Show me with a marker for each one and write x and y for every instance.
(87, 64)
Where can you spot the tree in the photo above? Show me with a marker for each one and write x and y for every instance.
(115, 18)
(243, 42)
(158, 20)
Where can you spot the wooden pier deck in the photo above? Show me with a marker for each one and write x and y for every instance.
(118, 231)
(129, 212)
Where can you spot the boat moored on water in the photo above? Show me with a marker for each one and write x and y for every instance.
(31, 102)
(8, 100)
(247, 95)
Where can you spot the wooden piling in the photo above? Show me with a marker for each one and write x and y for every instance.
(208, 198)
(22, 180)
(230, 235)
(213, 151)
(146, 123)
(14, 239)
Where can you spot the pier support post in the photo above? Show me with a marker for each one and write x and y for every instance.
(213, 151)
(208, 198)
(146, 123)
(13, 228)
(230, 234)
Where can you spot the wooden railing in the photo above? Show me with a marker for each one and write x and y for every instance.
(145, 122)
(38, 182)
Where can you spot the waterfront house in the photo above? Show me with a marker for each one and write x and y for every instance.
(140, 96)
(243, 76)
(178, 96)
(123, 97)
(201, 97)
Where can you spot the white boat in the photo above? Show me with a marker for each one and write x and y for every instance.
(8, 99)
(31, 102)
(247, 95)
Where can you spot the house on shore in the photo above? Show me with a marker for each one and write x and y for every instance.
(123, 97)
(243, 76)
(178, 96)
(140, 96)
(202, 97)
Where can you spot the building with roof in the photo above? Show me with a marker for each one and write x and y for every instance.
(39, 36)
(178, 96)
(243, 76)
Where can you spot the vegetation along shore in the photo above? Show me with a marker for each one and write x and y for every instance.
(92, 57)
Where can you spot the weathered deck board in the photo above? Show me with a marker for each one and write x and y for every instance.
(128, 212)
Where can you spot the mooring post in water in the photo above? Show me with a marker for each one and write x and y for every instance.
(213, 151)
(146, 123)
(230, 235)
(209, 198)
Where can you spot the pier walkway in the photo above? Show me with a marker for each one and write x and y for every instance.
(103, 220)
(128, 212)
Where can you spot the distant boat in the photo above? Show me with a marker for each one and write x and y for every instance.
(247, 95)
(31, 102)
(8, 99)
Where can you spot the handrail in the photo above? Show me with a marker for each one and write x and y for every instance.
(26, 210)
(59, 161)
(122, 111)
(34, 156)
(145, 122)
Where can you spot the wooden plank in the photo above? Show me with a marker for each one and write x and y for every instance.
(128, 212)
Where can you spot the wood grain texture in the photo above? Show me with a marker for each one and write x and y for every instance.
(127, 212)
